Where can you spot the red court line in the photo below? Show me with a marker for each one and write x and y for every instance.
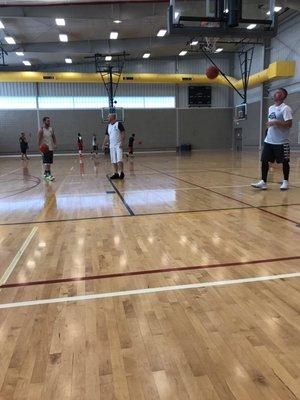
(226, 196)
(145, 272)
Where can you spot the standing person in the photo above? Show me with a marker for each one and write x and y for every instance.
(276, 146)
(80, 143)
(115, 135)
(23, 146)
(130, 144)
(95, 145)
(46, 136)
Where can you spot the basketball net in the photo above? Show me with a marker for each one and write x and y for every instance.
(211, 42)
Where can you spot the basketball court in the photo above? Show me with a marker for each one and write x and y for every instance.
(180, 281)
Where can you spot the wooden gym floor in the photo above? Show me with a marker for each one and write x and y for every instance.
(180, 282)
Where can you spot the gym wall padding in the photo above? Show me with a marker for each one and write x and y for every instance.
(204, 128)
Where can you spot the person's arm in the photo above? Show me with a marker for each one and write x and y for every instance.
(54, 138)
(40, 136)
(122, 131)
(288, 119)
(281, 124)
(106, 138)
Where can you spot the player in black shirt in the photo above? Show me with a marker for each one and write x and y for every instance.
(130, 144)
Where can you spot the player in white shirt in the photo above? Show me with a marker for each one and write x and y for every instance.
(46, 136)
(115, 135)
(277, 144)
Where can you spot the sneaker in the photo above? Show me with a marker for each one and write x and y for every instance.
(122, 175)
(284, 185)
(114, 176)
(50, 177)
(260, 185)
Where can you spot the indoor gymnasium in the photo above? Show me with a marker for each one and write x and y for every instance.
(149, 200)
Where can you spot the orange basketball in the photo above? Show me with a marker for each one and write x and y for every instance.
(212, 72)
(44, 148)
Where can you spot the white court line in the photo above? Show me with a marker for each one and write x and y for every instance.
(11, 172)
(149, 290)
(17, 257)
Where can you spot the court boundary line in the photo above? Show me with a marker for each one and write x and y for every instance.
(120, 196)
(147, 272)
(224, 195)
(144, 215)
(9, 270)
(157, 289)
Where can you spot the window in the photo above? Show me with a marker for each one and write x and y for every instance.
(17, 102)
(84, 102)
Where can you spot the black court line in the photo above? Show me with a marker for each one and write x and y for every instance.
(37, 182)
(226, 196)
(142, 215)
(121, 197)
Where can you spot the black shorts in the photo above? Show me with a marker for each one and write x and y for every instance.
(276, 152)
(48, 157)
(95, 147)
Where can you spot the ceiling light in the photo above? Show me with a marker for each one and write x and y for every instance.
(60, 21)
(63, 37)
(194, 43)
(183, 53)
(113, 35)
(276, 9)
(10, 40)
(218, 50)
(27, 63)
(226, 11)
(251, 26)
(20, 53)
(176, 14)
(146, 55)
(68, 60)
(161, 32)
(117, 21)
(108, 58)
(1, 25)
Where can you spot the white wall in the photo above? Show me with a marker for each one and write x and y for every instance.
(286, 46)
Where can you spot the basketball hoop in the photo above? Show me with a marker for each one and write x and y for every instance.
(211, 42)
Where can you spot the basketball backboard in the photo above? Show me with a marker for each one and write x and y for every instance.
(119, 111)
(240, 112)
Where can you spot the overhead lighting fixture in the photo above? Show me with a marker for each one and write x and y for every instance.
(68, 60)
(176, 14)
(194, 43)
(20, 53)
(63, 37)
(1, 25)
(60, 21)
(219, 50)
(27, 63)
(114, 35)
(117, 21)
(108, 58)
(161, 32)
(146, 55)
(276, 9)
(183, 53)
(226, 11)
(251, 26)
(10, 40)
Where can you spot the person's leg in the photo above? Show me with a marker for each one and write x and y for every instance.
(266, 157)
(264, 170)
(286, 170)
(120, 162)
(113, 159)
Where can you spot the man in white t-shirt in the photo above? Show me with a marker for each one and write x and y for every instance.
(46, 136)
(277, 145)
(115, 135)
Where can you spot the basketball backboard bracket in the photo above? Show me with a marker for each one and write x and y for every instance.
(110, 73)
(267, 28)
